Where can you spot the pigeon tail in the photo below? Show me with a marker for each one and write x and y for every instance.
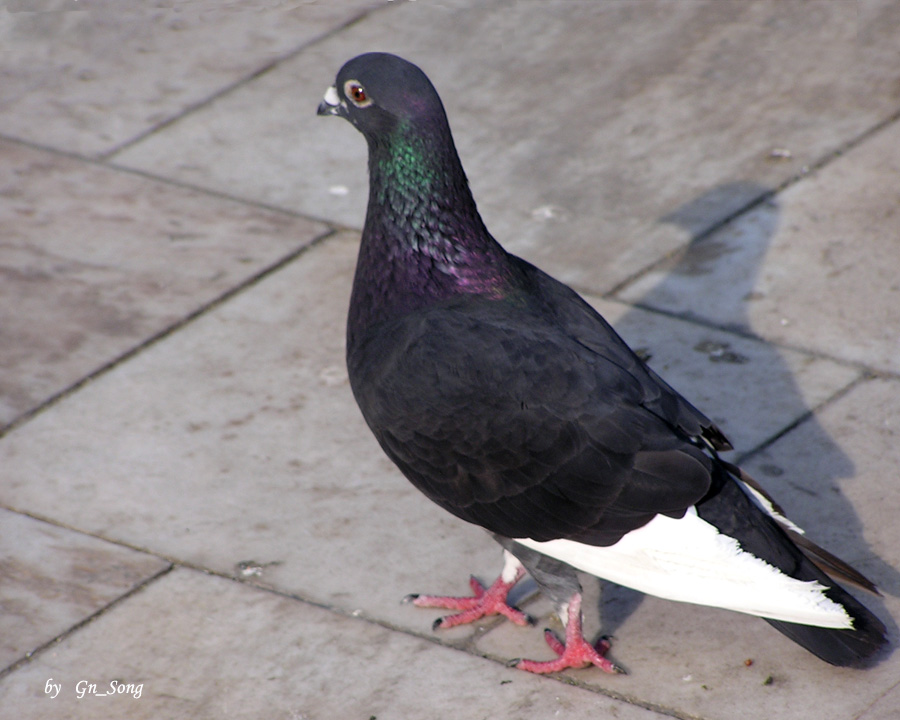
(760, 531)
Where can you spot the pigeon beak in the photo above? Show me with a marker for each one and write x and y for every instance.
(331, 104)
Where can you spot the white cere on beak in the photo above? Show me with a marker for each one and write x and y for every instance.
(331, 96)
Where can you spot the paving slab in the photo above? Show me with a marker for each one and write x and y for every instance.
(94, 261)
(195, 646)
(885, 708)
(93, 78)
(581, 125)
(234, 444)
(814, 267)
(55, 578)
(238, 447)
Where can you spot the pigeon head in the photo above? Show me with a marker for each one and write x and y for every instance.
(423, 240)
(381, 94)
(396, 108)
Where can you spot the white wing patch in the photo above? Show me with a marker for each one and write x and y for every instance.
(689, 560)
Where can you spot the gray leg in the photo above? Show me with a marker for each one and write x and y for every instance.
(556, 580)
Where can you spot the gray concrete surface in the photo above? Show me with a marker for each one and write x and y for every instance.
(190, 502)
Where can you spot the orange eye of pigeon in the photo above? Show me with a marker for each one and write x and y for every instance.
(357, 93)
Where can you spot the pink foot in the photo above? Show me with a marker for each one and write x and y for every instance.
(490, 601)
(577, 652)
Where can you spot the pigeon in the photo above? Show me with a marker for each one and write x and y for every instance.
(509, 401)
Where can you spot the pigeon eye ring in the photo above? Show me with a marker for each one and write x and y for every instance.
(357, 94)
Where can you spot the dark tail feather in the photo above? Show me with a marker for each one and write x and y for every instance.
(831, 565)
(733, 512)
(846, 648)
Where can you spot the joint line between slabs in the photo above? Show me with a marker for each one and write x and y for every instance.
(174, 182)
(805, 417)
(234, 85)
(40, 649)
(165, 332)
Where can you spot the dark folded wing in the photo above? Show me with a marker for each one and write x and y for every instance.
(590, 328)
(502, 417)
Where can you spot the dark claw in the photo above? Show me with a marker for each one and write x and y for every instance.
(409, 598)
(436, 625)
(513, 663)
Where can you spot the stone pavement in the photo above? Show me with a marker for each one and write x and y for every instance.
(190, 504)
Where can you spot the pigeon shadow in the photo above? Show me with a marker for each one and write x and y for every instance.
(688, 279)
